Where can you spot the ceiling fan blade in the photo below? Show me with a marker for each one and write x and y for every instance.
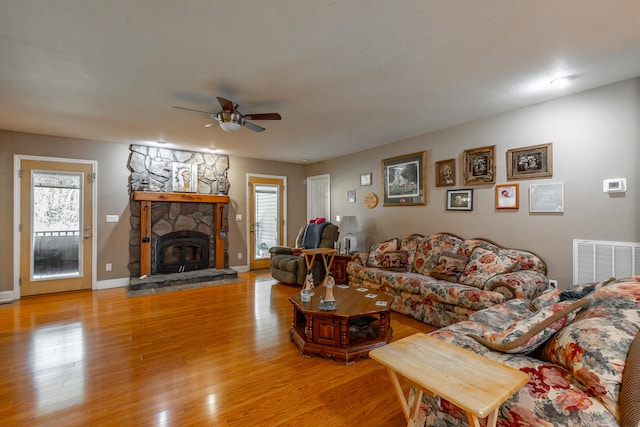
(253, 126)
(211, 124)
(265, 116)
(225, 104)
(191, 109)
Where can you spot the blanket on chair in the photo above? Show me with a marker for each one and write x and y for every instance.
(313, 235)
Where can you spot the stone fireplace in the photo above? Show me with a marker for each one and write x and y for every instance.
(177, 237)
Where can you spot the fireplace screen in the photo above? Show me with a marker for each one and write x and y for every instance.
(181, 251)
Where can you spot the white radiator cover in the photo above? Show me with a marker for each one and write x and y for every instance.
(598, 260)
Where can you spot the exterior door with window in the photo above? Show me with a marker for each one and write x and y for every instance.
(266, 220)
(55, 226)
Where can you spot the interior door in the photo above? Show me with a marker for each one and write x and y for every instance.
(319, 197)
(55, 226)
(266, 220)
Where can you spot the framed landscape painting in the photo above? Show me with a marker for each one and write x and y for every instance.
(535, 161)
(403, 180)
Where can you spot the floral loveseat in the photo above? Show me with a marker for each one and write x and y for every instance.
(584, 364)
(442, 279)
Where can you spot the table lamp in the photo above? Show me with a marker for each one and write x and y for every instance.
(348, 226)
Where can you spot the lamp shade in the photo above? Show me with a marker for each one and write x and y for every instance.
(349, 224)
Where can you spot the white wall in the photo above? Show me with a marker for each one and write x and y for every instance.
(594, 135)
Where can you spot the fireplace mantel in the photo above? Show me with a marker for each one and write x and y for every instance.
(146, 197)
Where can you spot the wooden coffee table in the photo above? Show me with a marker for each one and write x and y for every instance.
(351, 331)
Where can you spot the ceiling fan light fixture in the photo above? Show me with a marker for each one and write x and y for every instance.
(230, 121)
(230, 126)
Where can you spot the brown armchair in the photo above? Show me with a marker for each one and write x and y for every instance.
(288, 264)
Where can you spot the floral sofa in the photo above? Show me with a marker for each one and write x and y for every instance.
(581, 350)
(442, 279)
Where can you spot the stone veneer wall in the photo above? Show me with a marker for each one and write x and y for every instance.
(151, 169)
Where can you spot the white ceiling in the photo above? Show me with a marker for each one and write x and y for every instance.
(345, 75)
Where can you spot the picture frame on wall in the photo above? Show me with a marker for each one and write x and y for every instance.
(365, 179)
(403, 180)
(184, 177)
(508, 196)
(460, 200)
(535, 161)
(546, 198)
(446, 173)
(480, 166)
(351, 195)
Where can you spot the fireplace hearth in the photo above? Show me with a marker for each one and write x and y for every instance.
(181, 251)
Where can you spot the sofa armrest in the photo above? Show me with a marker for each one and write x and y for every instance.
(281, 250)
(518, 284)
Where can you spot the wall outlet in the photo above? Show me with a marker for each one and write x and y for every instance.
(238, 217)
(108, 266)
(239, 255)
(337, 218)
(553, 284)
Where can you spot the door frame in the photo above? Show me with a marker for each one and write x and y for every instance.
(248, 213)
(17, 159)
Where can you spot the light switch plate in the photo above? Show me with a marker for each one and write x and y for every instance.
(238, 217)
(113, 218)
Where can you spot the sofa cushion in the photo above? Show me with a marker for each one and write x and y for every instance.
(525, 335)
(450, 266)
(430, 249)
(410, 244)
(395, 260)
(526, 260)
(377, 251)
(595, 345)
(470, 244)
(483, 265)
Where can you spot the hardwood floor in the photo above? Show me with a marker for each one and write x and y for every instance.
(216, 356)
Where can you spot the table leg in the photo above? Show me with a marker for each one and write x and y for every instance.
(327, 265)
(413, 422)
(398, 389)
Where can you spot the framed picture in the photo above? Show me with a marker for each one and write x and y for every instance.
(535, 161)
(365, 179)
(403, 180)
(546, 197)
(446, 173)
(460, 200)
(479, 166)
(351, 195)
(185, 177)
(507, 196)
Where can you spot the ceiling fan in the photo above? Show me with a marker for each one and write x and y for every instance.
(231, 120)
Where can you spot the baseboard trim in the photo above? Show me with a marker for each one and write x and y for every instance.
(6, 297)
(112, 283)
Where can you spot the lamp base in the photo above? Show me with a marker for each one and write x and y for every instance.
(350, 243)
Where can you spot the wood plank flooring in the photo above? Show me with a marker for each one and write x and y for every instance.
(216, 356)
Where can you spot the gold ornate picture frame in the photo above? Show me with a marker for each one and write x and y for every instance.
(480, 166)
(535, 161)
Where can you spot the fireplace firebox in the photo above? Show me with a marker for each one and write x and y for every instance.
(181, 251)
